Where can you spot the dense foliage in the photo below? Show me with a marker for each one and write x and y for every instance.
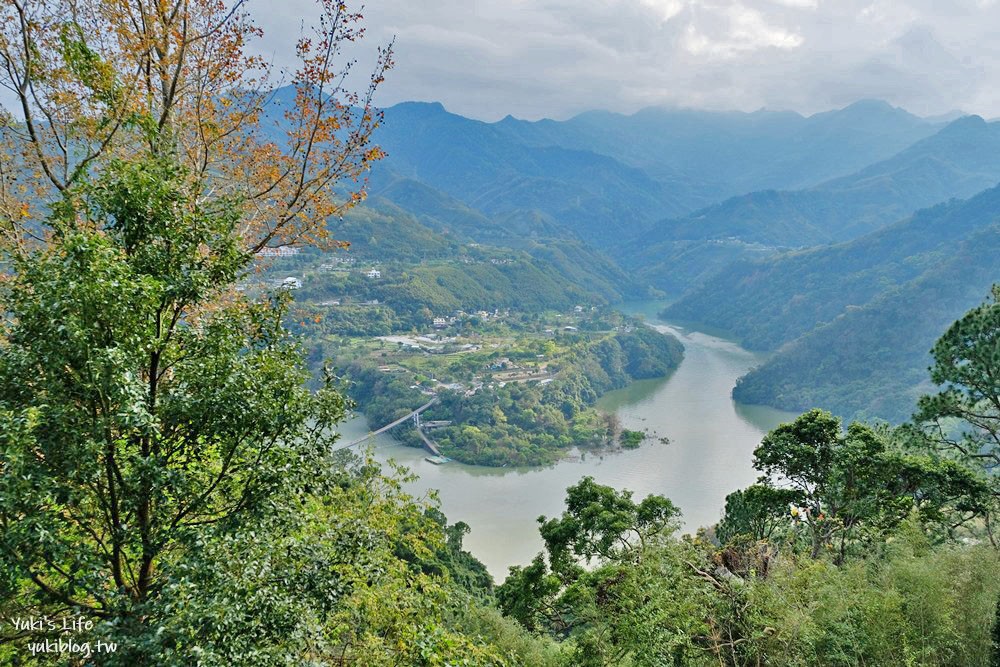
(166, 475)
(617, 587)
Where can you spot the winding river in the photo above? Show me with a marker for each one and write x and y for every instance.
(711, 440)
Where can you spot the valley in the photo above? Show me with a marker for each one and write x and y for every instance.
(300, 366)
(803, 221)
(710, 440)
(507, 310)
(515, 242)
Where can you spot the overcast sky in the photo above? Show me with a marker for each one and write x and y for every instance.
(555, 58)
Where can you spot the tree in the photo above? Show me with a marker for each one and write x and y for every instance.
(139, 410)
(529, 596)
(97, 80)
(756, 512)
(601, 523)
(644, 603)
(858, 482)
(963, 418)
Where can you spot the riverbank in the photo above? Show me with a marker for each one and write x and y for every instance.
(711, 443)
(524, 400)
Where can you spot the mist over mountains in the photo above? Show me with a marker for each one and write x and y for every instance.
(841, 242)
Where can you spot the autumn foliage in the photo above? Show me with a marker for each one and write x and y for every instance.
(99, 79)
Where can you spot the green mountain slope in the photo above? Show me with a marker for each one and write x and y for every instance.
(871, 360)
(590, 195)
(427, 272)
(765, 304)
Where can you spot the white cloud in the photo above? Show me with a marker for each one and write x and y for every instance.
(553, 58)
(801, 4)
(729, 32)
(751, 31)
(666, 9)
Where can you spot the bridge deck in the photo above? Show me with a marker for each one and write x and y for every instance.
(393, 425)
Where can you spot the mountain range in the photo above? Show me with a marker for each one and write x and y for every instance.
(818, 239)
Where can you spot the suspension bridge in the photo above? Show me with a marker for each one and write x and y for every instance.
(415, 416)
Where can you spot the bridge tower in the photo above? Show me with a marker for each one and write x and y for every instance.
(416, 419)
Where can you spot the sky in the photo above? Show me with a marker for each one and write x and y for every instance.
(556, 58)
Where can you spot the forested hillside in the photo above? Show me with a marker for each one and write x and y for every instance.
(768, 303)
(869, 361)
(853, 322)
(957, 162)
(427, 268)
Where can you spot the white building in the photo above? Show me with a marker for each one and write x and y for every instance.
(291, 283)
(373, 273)
(281, 251)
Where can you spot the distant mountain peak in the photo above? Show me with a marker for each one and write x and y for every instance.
(423, 106)
(972, 120)
(966, 125)
(872, 104)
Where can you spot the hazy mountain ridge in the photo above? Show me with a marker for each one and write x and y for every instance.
(768, 303)
(736, 152)
(607, 177)
(571, 194)
(593, 196)
(957, 162)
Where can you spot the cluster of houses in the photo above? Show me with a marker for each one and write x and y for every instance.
(280, 251)
(441, 322)
(291, 282)
(342, 264)
(504, 364)
(332, 265)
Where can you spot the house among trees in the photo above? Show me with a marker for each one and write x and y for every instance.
(291, 283)
(282, 251)
(373, 273)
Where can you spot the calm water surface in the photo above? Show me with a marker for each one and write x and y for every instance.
(711, 443)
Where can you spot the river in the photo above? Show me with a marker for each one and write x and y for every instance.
(709, 454)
